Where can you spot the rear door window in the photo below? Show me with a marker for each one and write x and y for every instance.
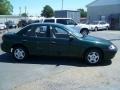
(29, 31)
(41, 31)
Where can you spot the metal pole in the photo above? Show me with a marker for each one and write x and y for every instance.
(25, 11)
(19, 11)
(62, 4)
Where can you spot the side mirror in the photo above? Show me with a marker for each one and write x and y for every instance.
(71, 38)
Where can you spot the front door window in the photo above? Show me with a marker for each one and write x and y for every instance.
(59, 33)
(59, 42)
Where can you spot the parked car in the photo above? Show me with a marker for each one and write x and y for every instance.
(99, 25)
(84, 29)
(22, 23)
(2, 26)
(33, 21)
(10, 24)
(57, 40)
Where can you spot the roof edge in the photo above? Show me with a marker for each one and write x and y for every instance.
(91, 3)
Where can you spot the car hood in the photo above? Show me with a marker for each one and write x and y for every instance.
(96, 40)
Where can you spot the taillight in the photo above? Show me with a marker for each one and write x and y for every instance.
(3, 37)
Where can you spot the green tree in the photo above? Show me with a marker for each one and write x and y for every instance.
(83, 13)
(5, 7)
(47, 11)
(24, 15)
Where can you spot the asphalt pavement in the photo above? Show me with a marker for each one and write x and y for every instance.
(52, 73)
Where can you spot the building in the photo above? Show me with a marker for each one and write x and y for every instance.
(75, 15)
(5, 18)
(107, 10)
(16, 19)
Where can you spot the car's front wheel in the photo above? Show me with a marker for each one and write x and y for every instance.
(19, 53)
(93, 57)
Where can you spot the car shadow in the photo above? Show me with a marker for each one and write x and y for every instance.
(45, 60)
(114, 40)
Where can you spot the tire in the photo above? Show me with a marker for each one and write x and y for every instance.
(84, 32)
(19, 53)
(93, 57)
(107, 28)
(96, 28)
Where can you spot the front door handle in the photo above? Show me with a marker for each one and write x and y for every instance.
(24, 40)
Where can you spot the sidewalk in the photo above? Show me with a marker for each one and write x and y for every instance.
(108, 32)
(114, 32)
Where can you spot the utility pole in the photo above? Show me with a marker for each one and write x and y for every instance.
(25, 9)
(62, 4)
(19, 11)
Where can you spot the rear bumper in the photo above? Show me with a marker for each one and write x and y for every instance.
(1, 28)
(5, 48)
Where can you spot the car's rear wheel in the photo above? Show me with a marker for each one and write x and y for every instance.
(93, 57)
(19, 53)
(107, 28)
(84, 32)
(96, 28)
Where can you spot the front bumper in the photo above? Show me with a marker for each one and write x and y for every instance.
(109, 54)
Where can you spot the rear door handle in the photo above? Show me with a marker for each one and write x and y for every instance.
(53, 42)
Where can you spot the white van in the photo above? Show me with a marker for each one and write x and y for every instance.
(70, 23)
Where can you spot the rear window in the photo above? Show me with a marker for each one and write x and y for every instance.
(102, 23)
(66, 21)
(49, 20)
(62, 21)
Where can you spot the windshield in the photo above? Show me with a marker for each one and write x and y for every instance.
(74, 32)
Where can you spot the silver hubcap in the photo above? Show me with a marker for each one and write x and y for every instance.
(19, 54)
(93, 57)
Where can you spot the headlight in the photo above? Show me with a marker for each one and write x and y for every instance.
(112, 47)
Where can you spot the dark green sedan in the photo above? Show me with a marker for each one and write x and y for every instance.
(57, 40)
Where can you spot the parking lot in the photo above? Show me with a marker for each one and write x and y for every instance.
(54, 73)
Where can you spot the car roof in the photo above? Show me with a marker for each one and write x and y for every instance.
(1, 23)
(54, 24)
(56, 18)
(99, 21)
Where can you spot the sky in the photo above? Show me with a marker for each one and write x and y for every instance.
(34, 7)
